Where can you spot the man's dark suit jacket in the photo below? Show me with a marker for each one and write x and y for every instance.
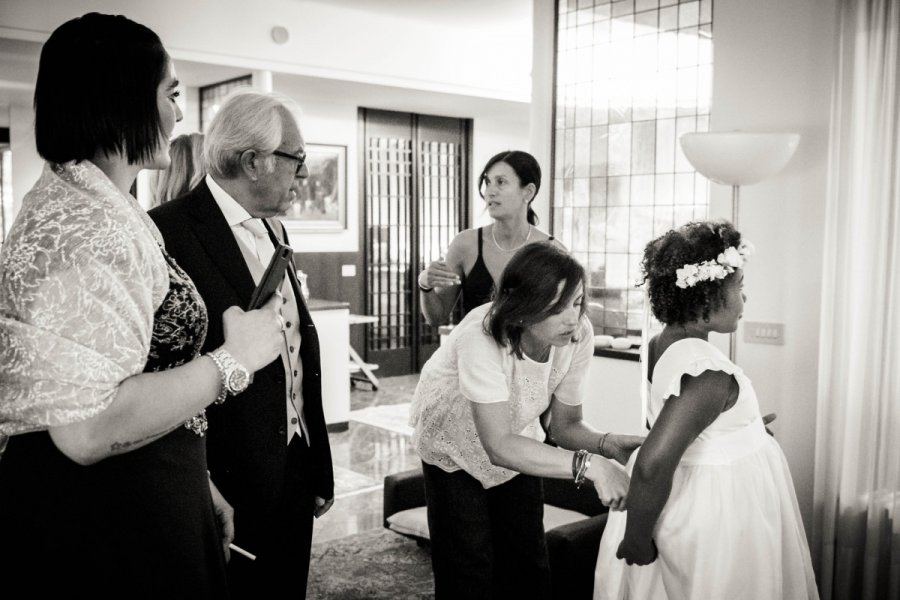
(247, 435)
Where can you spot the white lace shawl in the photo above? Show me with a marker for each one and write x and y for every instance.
(81, 276)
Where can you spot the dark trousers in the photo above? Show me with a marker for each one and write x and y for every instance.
(281, 567)
(486, 543)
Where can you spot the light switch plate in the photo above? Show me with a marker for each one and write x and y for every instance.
(348, 270)
(764, 333)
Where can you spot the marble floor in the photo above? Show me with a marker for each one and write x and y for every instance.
(376, 444)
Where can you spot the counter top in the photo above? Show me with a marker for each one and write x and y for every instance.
(629, 354)
(633, 354)
(319, 304)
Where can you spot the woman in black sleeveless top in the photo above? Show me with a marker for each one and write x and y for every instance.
(509, 183)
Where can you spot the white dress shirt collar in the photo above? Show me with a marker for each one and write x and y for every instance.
(234, 213)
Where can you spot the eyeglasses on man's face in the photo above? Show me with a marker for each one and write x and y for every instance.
(300, 158)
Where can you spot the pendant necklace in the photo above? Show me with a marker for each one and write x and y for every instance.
(502, 249)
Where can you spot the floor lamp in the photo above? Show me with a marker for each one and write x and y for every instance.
(737, 159)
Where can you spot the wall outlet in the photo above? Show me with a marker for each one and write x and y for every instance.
(348, 270)
(764, 333)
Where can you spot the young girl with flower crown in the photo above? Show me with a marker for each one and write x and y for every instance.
(712, 512)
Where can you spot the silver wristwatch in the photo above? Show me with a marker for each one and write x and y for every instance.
(235, 378)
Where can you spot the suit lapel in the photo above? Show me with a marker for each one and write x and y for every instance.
(217, 238)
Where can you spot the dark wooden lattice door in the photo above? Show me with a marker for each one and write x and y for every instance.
(415, 181)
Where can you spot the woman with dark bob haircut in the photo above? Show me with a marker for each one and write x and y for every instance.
(712, 511)
(476, 411)
(508, 184)
(103, 481)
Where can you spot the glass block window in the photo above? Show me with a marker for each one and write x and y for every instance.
(631, 77)
(212, 96)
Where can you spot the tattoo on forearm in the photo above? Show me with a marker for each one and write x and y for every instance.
(122, 447)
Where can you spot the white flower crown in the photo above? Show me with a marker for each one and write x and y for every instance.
(720, 268)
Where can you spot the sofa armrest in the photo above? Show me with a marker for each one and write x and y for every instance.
(402, 491)
(572, 550)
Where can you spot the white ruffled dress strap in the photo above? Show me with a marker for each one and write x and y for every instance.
(690, 356)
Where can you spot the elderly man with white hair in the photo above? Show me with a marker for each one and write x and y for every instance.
(267, 446)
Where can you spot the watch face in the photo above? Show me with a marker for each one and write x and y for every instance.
(238, 380)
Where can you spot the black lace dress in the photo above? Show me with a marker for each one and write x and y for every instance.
(135, 525)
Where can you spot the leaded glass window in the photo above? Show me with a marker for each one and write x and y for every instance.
(631, 77)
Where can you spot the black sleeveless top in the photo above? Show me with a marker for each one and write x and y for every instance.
(141, 521)
(477, 285)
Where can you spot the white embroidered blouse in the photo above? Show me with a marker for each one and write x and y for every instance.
(81, 275)
(469, 366)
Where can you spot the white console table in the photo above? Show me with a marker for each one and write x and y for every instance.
(332, 320)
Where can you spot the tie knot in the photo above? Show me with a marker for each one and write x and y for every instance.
(254, 226)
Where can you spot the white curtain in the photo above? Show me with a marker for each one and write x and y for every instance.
(856, 529)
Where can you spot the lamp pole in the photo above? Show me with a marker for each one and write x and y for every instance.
(735, 214)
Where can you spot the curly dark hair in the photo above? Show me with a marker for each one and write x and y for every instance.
(692, 243)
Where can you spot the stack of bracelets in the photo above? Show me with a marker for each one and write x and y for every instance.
(581, 462)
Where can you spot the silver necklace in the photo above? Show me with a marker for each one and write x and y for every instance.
(502, 249)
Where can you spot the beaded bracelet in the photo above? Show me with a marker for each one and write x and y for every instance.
(576, 462)
(600, 446)
(581, 462)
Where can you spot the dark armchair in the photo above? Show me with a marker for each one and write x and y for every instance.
(572, 546)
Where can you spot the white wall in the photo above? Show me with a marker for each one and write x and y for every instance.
(336, 40)
(26, 164)
(328, 122)
(773, 65)
(541, 124)
(613, 401)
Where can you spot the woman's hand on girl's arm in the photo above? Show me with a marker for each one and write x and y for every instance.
(618, 447)
(569, 429)
(513, 451)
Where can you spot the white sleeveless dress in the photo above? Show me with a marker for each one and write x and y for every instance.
(731, 528)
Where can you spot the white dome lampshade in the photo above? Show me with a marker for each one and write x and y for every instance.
(738, 158)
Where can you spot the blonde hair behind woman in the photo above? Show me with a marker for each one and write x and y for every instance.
(185, 171)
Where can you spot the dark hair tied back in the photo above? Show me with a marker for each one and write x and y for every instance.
(527, 170)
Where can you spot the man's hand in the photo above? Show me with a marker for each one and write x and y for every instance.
(322, 506)
(225, 516)
(636, 552)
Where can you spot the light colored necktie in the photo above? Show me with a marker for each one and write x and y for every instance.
(263, 247)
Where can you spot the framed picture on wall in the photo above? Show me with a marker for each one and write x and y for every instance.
(321, 204)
